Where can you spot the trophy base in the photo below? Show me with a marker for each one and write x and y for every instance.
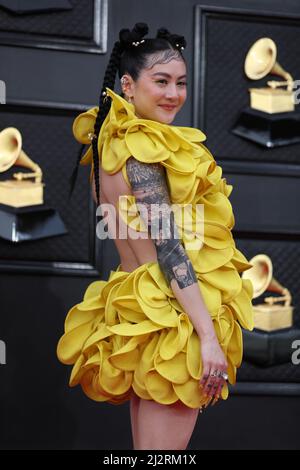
(30, 223)
(21, 193)
(272, 317)
(268, 130)
(272, 100)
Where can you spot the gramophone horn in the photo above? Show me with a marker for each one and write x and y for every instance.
(261, 276)
(11, 152)
(261, 60)
(10, 147)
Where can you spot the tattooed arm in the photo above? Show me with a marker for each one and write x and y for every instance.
(149, 186)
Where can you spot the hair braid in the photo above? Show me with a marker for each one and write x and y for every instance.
(74, 174)
(104, 107)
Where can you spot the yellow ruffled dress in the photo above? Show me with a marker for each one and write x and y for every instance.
(129, 333)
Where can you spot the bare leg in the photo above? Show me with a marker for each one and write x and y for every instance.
(164, 426)
(134, 407)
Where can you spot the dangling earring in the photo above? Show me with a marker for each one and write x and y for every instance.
(129, 99)
(104, 94)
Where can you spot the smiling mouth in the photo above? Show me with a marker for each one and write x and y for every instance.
(167, 108)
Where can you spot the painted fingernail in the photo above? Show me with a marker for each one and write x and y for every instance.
(206, 405)
(215, 400)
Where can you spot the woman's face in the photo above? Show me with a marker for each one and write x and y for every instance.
(160, 92)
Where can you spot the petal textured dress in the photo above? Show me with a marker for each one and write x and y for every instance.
(129, 333)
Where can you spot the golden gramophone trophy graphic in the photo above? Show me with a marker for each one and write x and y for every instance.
(269, 315)
(23, 214)
(271, 119)
(18, 192)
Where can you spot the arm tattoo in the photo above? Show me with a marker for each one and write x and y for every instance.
(149, 186)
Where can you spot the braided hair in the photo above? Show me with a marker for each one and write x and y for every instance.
(126, 58)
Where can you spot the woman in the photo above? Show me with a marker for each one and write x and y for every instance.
(164, 330)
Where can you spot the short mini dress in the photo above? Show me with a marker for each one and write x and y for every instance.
(129, 333)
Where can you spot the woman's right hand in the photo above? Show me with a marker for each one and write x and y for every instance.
(213, 362)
